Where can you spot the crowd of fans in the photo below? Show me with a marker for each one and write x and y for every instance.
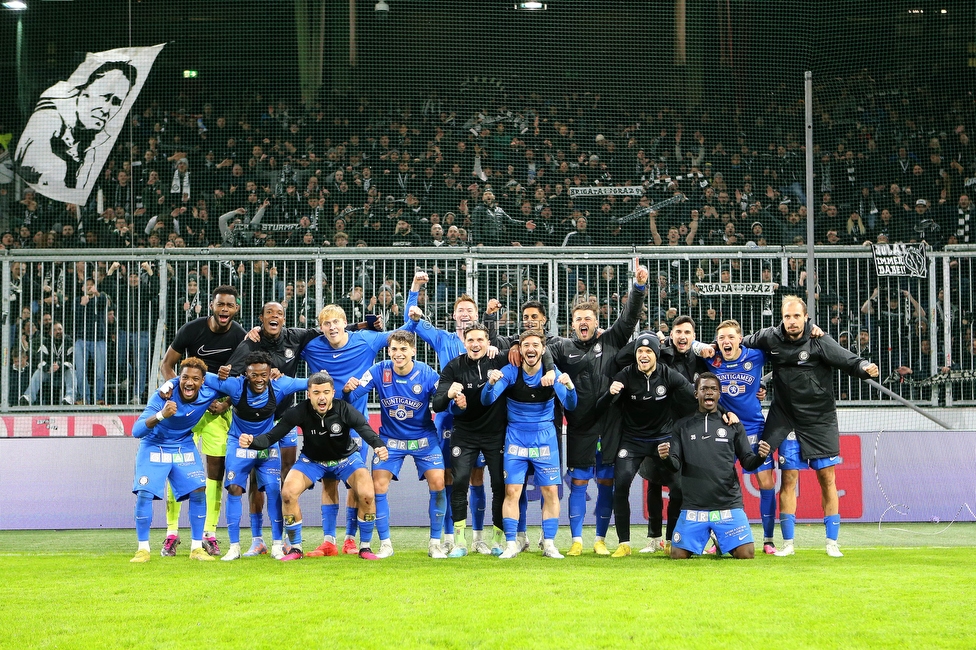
(277, 174)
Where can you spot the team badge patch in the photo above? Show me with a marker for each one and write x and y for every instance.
(455, 451)
(661, 390)
(417, 389)
(622, 453)
(289, 353)
(676, 536)
(230, 476)
(722, 432)
(598, 348)
(804, 355)
(143, 480)
(645, 343)
(336, 427)
(747, 365)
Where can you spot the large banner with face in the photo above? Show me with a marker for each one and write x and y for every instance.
(76, 122)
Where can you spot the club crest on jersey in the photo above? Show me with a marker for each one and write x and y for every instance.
(661, 390)
(622, 453)
(676, 536)
(387, 376)
(289, 353)
(143, 480)
(455, 451)
(417, 389)
(230, 476)
(336, 427)
(733, 389)
(804, 355)
(747, 365)
(722, 432)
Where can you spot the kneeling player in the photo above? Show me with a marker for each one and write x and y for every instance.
(530, 437)
(404, 388)
(703, 450)
(328, 452)
(167, 453)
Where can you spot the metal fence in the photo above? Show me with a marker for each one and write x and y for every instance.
(88, 329)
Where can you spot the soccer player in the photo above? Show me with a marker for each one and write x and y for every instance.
(329, 452)
(676, 353)
(448, 346)
(167, 454)
(530, 437)
(477, 429)
(255, 397)
(404, 388)
(213, 339)
(285, 345)
(739, 371)
(588, 358)
(703, 450)
(803, 414)
(343, 354)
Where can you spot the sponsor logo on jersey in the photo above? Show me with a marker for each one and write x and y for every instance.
(703, 516)
(726, 515)
(714, 515)
(447, 434)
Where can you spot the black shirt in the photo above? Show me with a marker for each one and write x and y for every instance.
(649, 405)
(195, 339)
(703, 452)
(325, 437)
(477, 421)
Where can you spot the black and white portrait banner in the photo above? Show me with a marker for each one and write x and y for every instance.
(76, 122)
(901, 260)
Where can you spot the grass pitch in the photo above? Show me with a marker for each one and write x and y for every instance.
(76, 589)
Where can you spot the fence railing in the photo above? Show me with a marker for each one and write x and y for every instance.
(86, 329)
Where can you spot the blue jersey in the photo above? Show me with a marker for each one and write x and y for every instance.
(529, 416)
(404, 400)
(178, 428)
(233, 387)
(351, 360)
(740, 381)
(447, 345)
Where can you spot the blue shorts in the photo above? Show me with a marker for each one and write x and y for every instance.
(363, 448)
(731, 528)
(767, 464)
(789, 456)
(542, 457)
(426, 453)
(240, 462)
(335, 470)
(179, 464)
(598, 471)
(290, 440)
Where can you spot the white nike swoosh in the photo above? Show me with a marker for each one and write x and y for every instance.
(203, 352)
(742, 537)
(336, 356)
(573, 356)
(705, 437)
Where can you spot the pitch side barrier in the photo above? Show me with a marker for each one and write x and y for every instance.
(118, 310)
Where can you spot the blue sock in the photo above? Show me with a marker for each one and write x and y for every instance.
(510, 525)
(832, 524)
(294, 532)
(351, 513)
(550, 527)
(198, 514)
(786, 524)
(448, 512)
(604, 508)
(273, 494)
(523, 507)
(257, 524)
(767, 509)
(144, 515)
(233, 510)
(382, 517)
(577, 508)
(436, 510)
(365, 533)
(478, 502)
(329, 516)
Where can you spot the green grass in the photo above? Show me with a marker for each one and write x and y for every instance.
(76, 589)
